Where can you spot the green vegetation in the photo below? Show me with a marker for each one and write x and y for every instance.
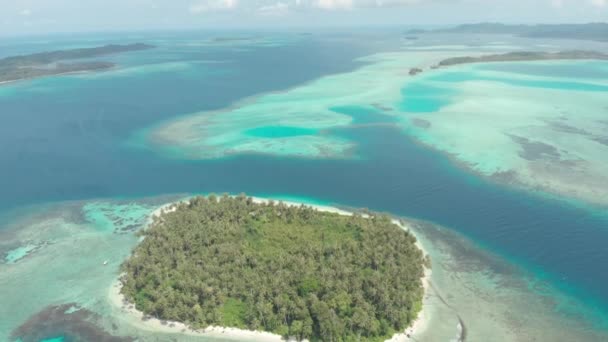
(293, 271)
(51, 63)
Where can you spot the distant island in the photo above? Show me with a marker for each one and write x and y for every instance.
(53, 63)
(525, 56)
(415, 71)
(293, 271)
(592, 31)
(519, 56)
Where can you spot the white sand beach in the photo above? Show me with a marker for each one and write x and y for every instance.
(137, 319)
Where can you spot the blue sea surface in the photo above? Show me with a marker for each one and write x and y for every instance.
(63, 138)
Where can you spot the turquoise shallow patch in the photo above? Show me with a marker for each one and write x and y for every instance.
(419, 97)
(18, 253)
(279, 131)
(457, 76)
(538, 83)
(591, 69)
(115, 217)
(363, 114)
(55, 339)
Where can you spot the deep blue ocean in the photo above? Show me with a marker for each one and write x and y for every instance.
(65, 138)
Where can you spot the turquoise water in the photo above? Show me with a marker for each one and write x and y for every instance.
(430, 93)
(18, 253)
(364, 115)
(279, 132)
(422, 97)
(584, 69)
(64, 139)
(546, 84)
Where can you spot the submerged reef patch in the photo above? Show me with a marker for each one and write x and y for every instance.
(120, 218)
(17, 254)
(534, 150)
(66, 321)
(469, 112)
(309, 117)
(540, 129)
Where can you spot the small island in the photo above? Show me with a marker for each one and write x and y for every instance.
(590, 31)
(53, 63)
(293, 271)
(415, 71)
(525, 56)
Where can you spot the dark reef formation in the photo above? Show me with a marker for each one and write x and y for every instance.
(415, 71)
(420, 123)
(67, 321)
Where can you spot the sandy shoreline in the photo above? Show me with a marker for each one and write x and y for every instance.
(137, 319)
(68, 73)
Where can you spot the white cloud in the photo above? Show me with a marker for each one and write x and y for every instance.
(213, 6)
(333, 4)
(26, 12)
(278, 9)
(352, 4)
(599, 3)
(394, 3)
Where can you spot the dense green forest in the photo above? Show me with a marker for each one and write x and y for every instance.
(289, 270)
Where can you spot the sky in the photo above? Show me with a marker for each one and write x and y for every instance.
(19, 17)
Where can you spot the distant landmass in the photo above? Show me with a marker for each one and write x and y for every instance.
(592, 31)
(525, 56)
(53, 63)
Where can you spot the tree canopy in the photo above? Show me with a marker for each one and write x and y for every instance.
(290, 270)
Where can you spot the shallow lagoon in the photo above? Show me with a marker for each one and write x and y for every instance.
(509, 302)
(57, 148)
(279, 131)
(582, 69)
(457, 77)
(536, 131)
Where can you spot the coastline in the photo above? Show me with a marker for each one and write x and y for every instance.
(67, 73)
(139, 320)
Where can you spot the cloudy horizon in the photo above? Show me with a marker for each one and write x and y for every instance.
(40, 16)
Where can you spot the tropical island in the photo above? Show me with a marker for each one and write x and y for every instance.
(518, 56)
(293, 271)
(522, 56)
(415, 71)
(53, 63)
(590, 31)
